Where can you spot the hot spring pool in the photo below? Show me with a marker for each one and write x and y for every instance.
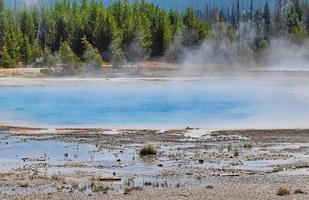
(178, 103)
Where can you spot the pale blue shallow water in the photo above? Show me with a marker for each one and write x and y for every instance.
(183, 103)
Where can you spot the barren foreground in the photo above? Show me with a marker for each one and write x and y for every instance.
(189, 164)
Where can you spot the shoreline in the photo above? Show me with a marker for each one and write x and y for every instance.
(190, 163)
(120, 128)
(104, 162)
(161, 70)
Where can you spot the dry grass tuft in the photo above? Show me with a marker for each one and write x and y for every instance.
(282, 191)
(130, 189)
(148, 150)
(248, 146)
(236, 152)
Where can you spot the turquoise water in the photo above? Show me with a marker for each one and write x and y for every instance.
(153, 103)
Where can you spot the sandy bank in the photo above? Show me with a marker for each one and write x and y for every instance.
(21, 72)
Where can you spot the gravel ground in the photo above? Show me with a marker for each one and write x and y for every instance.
(190, 164)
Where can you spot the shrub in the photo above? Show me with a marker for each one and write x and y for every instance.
(283, 191)
(147, 150)
(92, 55)
(236, 152)
(69, 60)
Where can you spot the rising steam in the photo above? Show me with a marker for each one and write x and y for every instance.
(222, 53)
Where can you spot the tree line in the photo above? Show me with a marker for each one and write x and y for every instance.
(71, 33)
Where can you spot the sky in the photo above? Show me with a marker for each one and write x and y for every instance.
(171, 4)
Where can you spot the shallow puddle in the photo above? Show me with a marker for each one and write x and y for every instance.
(267, 165)
(301, 171)
(54, 157)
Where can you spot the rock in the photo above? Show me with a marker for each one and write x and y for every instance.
(229, 174)
(299, 191)
(276, 169)
(110, 179)
(24, 185)
(209, 187)
(147, 183)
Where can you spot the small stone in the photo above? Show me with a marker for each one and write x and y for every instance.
(299, 191)
(209, 187)
(276, 169)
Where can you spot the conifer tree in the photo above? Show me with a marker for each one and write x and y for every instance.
(266, 21)
(91, 55)
(5, 59)
(69, 59)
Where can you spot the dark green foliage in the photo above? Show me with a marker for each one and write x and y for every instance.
(162, 34)
(136, 31)
(27, 25)
(5, 59)
(267, 21)
(195, 30)
(69, 60)
(36, 51)
(1, 5)
(91, 56)
(25, 50)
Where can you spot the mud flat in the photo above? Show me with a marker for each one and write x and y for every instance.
(190, 163)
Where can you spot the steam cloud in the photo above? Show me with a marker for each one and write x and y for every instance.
(221, 53)
(31, 2)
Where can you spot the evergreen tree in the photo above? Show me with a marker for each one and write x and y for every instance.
(294, 16)
(106, 35)
(127, 31)
(27, 25)
(195, 31)
(1, 19)
(5, 59)
(267, 21)
(278, 21)
(26, 53)
(69, 59)
(258, 21)
(1, 6)
(299, 33)
(12, 37)
(91, 55)
(162, 35)
(36, 51)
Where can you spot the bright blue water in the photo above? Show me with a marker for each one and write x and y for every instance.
(183, 103)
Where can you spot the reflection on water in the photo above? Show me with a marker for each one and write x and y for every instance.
(64, 157)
